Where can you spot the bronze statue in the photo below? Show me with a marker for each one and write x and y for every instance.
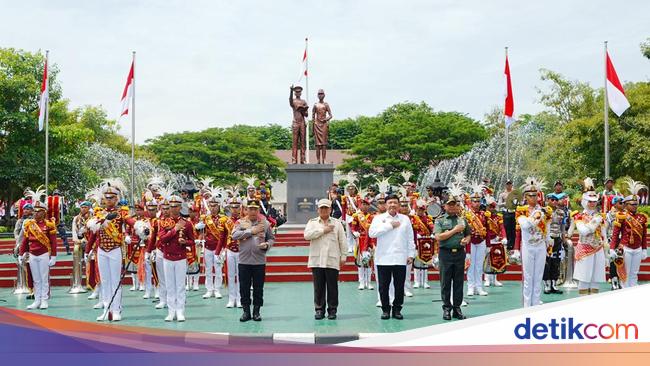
(321, 115)
(300, 112)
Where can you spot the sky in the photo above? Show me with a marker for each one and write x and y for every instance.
(202, 64)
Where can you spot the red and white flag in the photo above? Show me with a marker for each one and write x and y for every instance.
(303, 65)
(127, 94)
(615, 93)
(510, 102)
(45, 97)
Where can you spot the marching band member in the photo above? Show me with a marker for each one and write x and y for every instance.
(406, 210)
(351, 203)
(175, 240)
(136, 251)
(533, 238)
(617, 208)
(39, 240)
(423, 225)
(557, 231)
(496, 241)
(231, 247)
(630, 234)
(213, 227)
(24, 281)
(589, 251)
(360, 224)
(107, 227)
(155, 249)
(80, 237)
(150, 280)
(478, 224)
(608, 194)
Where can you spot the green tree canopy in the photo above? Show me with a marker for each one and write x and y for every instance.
(410, 137)
(223, 154)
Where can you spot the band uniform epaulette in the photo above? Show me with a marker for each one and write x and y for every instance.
(488, 214)
(573, 213)
(51, 224)
(549, 211)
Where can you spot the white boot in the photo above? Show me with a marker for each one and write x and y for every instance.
(44, 305)
(34, 305)
(238, 303)
(117, 316)
(146, 295)
(217, 294)
(482, 292)
(161, 305)
(93, 296)
(99, 305)
(416, 285)
(470, 292)
(180, 315)
(497, 283)
(103, 317)
(486, 283)
(426, 285)
(230, 304)
(361, 286)
(208, 294)
(170, 316)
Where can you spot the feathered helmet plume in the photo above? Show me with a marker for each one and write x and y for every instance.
(633, 187)
(38, 198)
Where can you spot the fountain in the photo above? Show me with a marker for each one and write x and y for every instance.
(487, 159)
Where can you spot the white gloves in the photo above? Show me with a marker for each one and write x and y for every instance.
(562, 254)
(612, 254)
(200, 226)
(52, 261)
(468, 256)
(356, 234)
(21, 259)
(152, 256)
(644, 254)
(504, 241)
(419, 236)
(596, 220)
(515, 254)
(127, 239)
(147, 256)
(85, 258)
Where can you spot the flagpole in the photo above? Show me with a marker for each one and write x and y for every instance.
(47, 123)
(606, 112)
(507, 139)
(307, 97)
(133, 135)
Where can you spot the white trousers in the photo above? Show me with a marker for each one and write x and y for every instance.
(232, 262)
(40, 268)
(110, 271)
(364, 274)
(533, 259)
(175, 273)
(421, 277)
(160, 270)
(352, 241)
(148, 285)
(632, 265)
(475, 270)
(213, 273)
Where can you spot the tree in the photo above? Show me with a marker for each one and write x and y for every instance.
(645, 48)
(224, 154)
(343, 132)
(567, 98)
(410, 137)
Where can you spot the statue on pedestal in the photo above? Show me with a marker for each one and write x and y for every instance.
(298, 127)
(321, 115)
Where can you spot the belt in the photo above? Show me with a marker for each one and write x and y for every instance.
(452, 250)
(509, 211)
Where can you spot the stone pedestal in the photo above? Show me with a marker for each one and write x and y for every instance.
(306, 184)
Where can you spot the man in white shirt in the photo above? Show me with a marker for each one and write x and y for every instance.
(395, 249)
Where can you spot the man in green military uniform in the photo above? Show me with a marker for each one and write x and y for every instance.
(453, 233)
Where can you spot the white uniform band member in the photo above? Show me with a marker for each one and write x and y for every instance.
(533, 237)
(232, 255)
(590, 258)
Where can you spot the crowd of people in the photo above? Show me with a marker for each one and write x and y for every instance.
(396, 233)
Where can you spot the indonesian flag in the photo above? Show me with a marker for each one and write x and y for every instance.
(128, 92)
(615, 93)
(510, 102)
(303, 64)
(45, 97)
